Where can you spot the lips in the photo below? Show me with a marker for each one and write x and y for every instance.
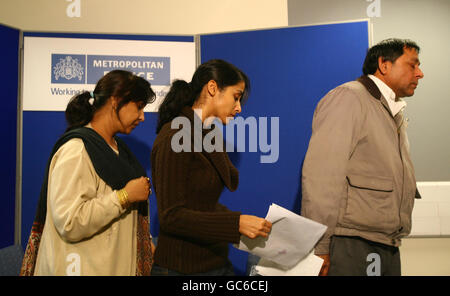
(133, 126)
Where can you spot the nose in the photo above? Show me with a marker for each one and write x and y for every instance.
(142, 115)
(419, 73)
(238, 107)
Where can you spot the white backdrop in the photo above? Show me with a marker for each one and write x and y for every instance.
(149, 59)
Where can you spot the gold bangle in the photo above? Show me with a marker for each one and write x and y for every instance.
(123, 198)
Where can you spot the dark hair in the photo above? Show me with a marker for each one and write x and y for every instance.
(118, 83)
(389, 50)
(182, 94)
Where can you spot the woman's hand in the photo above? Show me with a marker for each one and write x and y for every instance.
(253, 226)
(153, 248)
(138, 189)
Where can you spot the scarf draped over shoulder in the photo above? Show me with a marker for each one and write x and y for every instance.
(116, 171)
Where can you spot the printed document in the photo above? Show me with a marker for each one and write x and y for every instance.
(291, 239)
(308, 266)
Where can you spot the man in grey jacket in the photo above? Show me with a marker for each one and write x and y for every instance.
(358, 178)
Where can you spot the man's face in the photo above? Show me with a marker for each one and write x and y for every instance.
(403, 75)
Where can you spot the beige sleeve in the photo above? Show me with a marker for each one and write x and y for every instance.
(79, 206)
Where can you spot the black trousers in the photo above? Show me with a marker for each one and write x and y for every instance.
(355, 256)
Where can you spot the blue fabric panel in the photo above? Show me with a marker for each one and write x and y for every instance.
(111, 36)
(290, 70)
(9, 59)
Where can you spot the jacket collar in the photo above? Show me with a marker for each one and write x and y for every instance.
(374, 91)
(371, 87)
(220, 160)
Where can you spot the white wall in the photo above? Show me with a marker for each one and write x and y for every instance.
(425, 256)
(427, 250)
(167, 17)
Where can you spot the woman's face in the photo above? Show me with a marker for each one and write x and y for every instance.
(130, 115)
(228, 102)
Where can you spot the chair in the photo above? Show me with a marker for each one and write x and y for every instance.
(11, 260)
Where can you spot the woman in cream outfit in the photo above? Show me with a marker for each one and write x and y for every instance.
(92, 216)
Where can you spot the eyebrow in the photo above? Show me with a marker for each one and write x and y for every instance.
(415, 60)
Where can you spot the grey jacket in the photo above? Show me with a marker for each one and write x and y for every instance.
(358, 178)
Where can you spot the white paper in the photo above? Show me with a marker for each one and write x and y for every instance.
(308, 266)
(291, 239)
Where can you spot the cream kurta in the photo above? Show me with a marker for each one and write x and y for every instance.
(86, 230)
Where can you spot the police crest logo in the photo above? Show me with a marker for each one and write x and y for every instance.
(68, 68)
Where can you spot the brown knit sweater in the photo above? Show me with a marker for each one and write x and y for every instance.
(194, 228)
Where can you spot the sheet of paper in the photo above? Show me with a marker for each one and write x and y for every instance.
(308, 266)
(292, 238)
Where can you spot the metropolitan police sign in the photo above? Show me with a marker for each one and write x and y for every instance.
(88, 69)
(56, 69)
(155, 69)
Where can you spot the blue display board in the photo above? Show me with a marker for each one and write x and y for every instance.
(290, 70)
(9, 76)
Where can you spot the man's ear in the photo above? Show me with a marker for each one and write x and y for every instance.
(383, 65)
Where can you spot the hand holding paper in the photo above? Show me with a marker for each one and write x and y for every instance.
(253, 226)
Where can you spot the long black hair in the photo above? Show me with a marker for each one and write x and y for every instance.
(117, 83)
(182, 94)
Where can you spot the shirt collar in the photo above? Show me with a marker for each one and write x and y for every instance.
(389, 95)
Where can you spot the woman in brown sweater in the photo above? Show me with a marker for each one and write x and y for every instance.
(194, 228)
